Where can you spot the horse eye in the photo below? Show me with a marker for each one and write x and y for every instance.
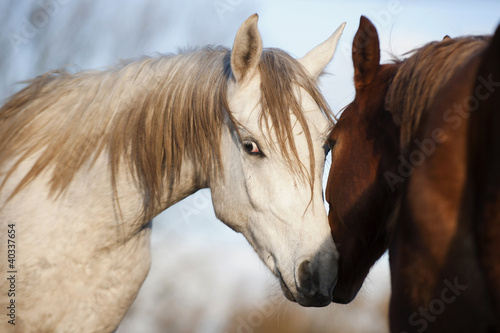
(251, 148)
(326, 148)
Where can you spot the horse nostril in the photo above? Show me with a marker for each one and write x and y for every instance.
(310, 287)
(308, 279)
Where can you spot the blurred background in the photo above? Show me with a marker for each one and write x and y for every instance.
(205, 277)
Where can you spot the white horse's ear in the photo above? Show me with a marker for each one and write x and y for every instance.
(316, 60)
(247, 49)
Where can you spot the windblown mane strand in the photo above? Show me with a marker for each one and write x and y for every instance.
(178, 117)
(420, 77)
(281, 76)
(152, 113)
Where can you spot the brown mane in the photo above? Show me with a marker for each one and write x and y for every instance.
(422, 74)
(151, 113)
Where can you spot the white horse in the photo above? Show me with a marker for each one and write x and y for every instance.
(88, 159)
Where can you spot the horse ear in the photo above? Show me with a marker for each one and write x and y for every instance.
(365, 53)
(491, 56)
(247, 49)
(446, 38)
(316, 60)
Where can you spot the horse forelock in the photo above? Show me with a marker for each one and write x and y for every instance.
(420, 77)
(152, 114)
(281, 78)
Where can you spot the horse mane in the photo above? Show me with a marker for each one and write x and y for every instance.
(420, 77)
(151, 113)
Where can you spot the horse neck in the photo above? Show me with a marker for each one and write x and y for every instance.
(130, 196)
(180, 121)
(420, 78)
(135, 131)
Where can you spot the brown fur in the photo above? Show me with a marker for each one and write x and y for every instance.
(439, 222)
(435, 242)
(423, 74)
(151, 114)
(484, 160)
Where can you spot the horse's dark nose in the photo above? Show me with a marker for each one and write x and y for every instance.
(313, 290)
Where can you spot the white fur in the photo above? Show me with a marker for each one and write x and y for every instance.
(80, 264)
(277, 217)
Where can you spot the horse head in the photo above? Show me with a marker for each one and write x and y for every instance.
(273, 159)
(364, 143)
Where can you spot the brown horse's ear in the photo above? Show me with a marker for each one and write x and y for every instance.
(492, 56)
(487, 79)
(446, 38)
(365, 53)
(247, 49)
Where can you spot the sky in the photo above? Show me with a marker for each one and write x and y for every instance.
(38, 36)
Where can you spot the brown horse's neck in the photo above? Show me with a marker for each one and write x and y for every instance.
(437, 246)
(484, 161)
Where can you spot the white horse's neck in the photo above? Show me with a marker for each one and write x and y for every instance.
(179, 120)
(81, 246)
(129, 201)
(154, 126)
(191, 180)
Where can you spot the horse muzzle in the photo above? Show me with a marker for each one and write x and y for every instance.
(314, 284)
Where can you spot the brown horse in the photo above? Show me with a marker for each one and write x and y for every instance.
(415, 161)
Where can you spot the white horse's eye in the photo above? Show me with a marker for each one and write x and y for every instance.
(251, 148)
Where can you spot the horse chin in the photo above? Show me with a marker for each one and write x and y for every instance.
(341, 299)
(288, 294)
(302, 301)
(344, 296)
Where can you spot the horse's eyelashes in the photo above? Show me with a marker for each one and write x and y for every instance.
(330, 144)
(251, 148)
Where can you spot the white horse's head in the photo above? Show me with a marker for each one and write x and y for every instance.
(273, 159)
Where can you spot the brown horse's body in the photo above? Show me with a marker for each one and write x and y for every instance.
(415, 169)
(436, 252)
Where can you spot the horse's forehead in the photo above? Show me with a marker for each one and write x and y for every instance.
(349, 123)
(245, 105)
(315, 117)
(244, 100)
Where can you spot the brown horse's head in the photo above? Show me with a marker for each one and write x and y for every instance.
(364, 144)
